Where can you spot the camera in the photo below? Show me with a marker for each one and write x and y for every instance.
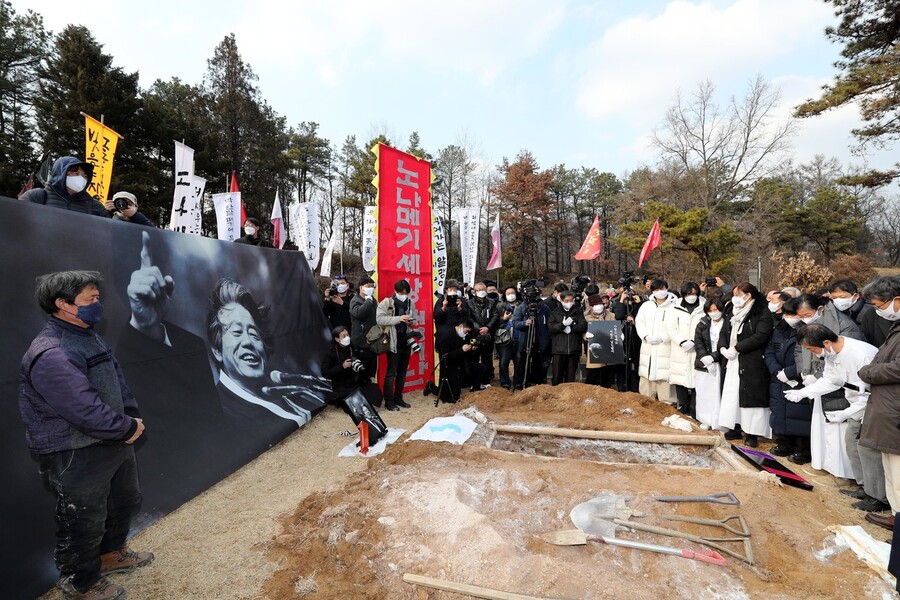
(120, 204)
(579, 282)
(414, 341)
(530, 290)
(332, 291)
(627, 280)
(711, 281)
(479, 340)
(357, 365)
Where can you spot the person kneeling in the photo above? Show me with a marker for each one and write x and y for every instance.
(460, 361)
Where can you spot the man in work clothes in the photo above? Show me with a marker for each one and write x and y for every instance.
(80, 423)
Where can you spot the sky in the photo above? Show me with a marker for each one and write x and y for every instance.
(575, 82)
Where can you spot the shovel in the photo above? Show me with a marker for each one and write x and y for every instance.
(576, 537)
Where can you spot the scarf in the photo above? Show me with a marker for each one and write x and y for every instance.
(737, 319)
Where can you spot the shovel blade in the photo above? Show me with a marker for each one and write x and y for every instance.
(568, 537)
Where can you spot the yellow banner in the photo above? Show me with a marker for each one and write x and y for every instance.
(101, 142)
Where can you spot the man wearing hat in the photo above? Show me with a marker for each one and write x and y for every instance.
(126, 209)
(251, 234)
(69, 180)
(449, 309)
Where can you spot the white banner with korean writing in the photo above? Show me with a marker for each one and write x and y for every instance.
(228, 215)
(439, 251)
(305, 230)
(469, 221)
(369, 238)
(196, 212)
(183, 198)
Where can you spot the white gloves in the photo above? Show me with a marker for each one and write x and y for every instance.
(780, 376)
(567, 329)
(809, 379)
(687, 345)
(729, 353)
(588, 335)
(711, 368)
(654, 339)
(835, 416)
(568, 321)
(707, 360)
(795, 395)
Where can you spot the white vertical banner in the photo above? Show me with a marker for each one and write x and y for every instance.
(305, 230)
(326, 257)
(196, 214)
(439, 253)
(183, 198)
(469, 221)
(369, 238)
(228, 215)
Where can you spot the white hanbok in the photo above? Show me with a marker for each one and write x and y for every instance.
(708, 384)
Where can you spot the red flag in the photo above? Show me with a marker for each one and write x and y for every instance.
(653, 241)
(496, 261)
(590, 249)
(234, 188)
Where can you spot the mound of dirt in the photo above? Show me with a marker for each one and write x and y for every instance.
(472, 515)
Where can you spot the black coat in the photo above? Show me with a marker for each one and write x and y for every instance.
(787, 418)
(703, 345)
(339, 314)
(752, 339)
(567, 343)
(362, 319)
(343, 381)
(446, 320)
(483, 313)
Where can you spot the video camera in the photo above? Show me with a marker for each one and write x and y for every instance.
(626, 280)
(480, 340)
(579, 283)
(414, 340)
(530, 290)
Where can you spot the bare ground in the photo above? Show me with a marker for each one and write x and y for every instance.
(300, 522)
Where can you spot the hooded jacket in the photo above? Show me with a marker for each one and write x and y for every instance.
(57, 195)
(682, 328)
(652, 320)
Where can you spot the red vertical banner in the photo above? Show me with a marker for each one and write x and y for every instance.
(403, 248)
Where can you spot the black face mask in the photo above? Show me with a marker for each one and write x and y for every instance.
(493, 295)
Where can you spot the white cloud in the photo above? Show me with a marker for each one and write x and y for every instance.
(638, 64)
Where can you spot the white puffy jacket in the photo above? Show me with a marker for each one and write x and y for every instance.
(651, 321)
(682, 325)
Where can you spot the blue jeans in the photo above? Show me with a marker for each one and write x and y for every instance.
(97, 493)
(507, 353)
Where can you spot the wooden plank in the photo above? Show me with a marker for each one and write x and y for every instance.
(617, 436)
(475, 591)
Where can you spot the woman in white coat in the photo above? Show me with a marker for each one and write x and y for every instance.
(712, 334)
(651, 324)
(685, 315)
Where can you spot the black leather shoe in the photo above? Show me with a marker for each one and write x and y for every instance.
(800, 459)
(403, 403)
(751, 440)
(870, 504)
(857, 494)
(779, 450)
(733, 434)
(430, 388)
(391, 407)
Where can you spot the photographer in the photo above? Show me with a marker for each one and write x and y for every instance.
(395, 314)
(345, 370)
(567, 326)
(625, 305)
(337, 303)
(506, 338)
(530, 321)
(449, 309)
(124, 207)
(362, 318)
(460, 365)
(483, 312)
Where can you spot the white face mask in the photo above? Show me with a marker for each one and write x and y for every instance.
(773, 307)
(481, 294)
(812, 319)
(692, 299)
(888, 313)
(598, 309)
(76, 183)
(343, 288)
(715, 316)
(345, 341)
(401, 297)
(792, 321)
(842, 304)
(738, 301)
(661, 294)
(368, 291)
(510, 297)
(249, 230)
(568, 305)
(830, 353)
(461, 333)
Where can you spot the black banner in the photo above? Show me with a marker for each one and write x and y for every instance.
(605, 348)
(217, 383)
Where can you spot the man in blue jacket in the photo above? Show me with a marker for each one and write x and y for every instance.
(69, 180)
(81, 422)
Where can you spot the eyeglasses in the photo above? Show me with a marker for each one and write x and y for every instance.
(883, 306)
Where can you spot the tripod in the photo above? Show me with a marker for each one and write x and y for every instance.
(525, 366)
(442, 364)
